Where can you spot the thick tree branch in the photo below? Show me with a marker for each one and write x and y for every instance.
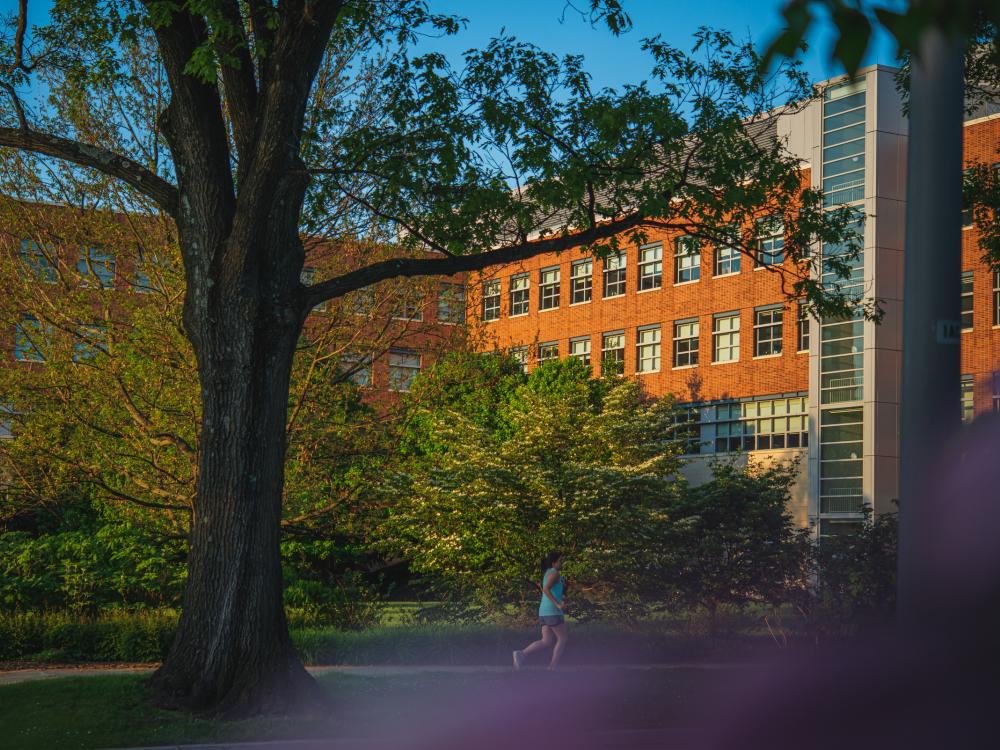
(237, 70)
(448, 266)
(94, 157)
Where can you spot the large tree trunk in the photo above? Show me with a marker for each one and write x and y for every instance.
(232, 654)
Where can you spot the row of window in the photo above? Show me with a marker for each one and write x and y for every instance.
(967, 299)
(768, 335)
(30, 336)
(404, 366)
(762, 423)
(687, 269)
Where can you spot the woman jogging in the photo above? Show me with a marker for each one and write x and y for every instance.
(550, 613)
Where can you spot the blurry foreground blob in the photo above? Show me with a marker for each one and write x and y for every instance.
(934, 682)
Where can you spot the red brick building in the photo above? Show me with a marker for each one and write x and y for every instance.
(718, 332)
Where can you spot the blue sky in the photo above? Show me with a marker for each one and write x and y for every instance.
(612, 60)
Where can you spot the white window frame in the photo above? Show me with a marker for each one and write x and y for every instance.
(687, 260)
(731, 337)
(491, 300)
(650, 267)
(648, 349)
(579, 347)
(733, 261)
(91, 259)
(451, 304)
(615, 275)
(362, 375)
(549, 288)
(967, 394)
(605, 351)
(581, 283)
(968, 281)
(402, 360)
(692, 327)
(38, 262)
(547, 350)
(770, 242)
(803, 328)
(763, 321)
(520, 285)
(520, 355)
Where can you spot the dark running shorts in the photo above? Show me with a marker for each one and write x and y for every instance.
(551, 620)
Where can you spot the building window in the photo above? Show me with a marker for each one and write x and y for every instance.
(409, 307)
(519, 294)
(6, 422)
(726, 337)
(363, 301)
(968, 399)
(39, 261)
(491, 300)
(451, 303)
(763, 424)
(91, 340)
(404, 365)
(96, 267)
(727, 260)
(613, 353)
(967, 300)
(548, 350)
(581, 281)
(28, 337)
(614, 274)
(996, 298)
(767, 331)
(996, 391)
(771, 241)
(358, 368)
(803, 327)
(548, 288)
(580, 348)
(520, 355)
(687, 260)
(686, 343)
(651, 267)
(966, 208)
(841, 460)
(647, 349)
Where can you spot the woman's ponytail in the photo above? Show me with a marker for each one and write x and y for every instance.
(548, 560)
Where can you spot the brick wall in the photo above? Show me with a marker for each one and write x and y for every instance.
(981, 345)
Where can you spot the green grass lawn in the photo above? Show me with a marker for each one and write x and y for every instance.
(80, 713)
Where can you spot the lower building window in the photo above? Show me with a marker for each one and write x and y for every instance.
(968, 399)
(613, 353)
(686, 343)
(580, 348)
(358, 368)
(647, 349)
(491, 300)
(767, 331)
(726, 337)
(520, 355)
(548, 350)
(967, 300)
(404, 366)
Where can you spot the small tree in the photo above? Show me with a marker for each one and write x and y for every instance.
(856, 574)
(732, 541)
(568, 464)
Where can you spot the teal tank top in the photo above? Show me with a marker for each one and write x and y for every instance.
(547, 608)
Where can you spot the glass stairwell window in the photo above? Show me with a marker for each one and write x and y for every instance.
(844, 143)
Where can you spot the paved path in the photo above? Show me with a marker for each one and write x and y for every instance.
(376, 670)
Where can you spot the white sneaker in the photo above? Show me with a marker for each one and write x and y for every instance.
(518, 660)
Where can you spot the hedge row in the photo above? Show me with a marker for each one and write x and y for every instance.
(145, 637)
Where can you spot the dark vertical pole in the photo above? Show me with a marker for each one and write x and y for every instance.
(930, 413)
